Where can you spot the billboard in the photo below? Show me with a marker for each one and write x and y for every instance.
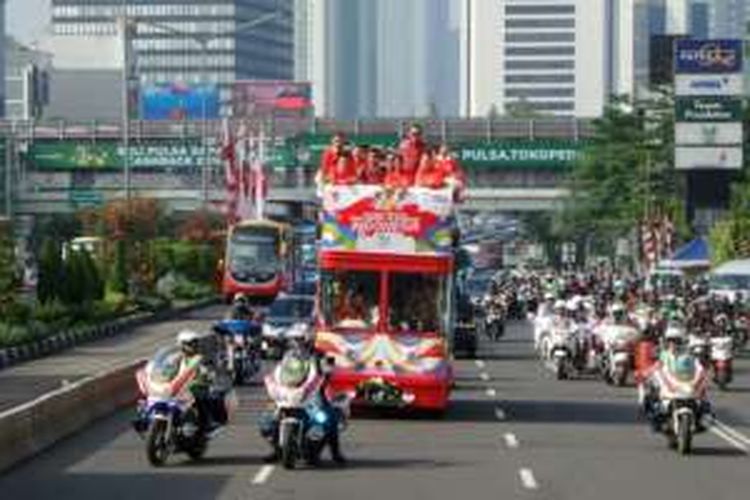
(516, 154)
(718, 85)
(708, 109)
(708, 56)
(103, 155)
(176, 101)
(266, 98)
(726, 157)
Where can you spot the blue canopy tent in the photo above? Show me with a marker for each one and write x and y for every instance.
(694, 253)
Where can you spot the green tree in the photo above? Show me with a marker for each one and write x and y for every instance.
(92, 278)
(8, 268)
(119, 272)
(625, 174)
(50, 272)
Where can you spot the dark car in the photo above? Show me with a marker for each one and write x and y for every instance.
(289, 320)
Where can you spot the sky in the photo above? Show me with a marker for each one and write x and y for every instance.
(26, 20)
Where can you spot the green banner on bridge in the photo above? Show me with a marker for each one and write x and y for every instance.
(306, 150)
(103, 155)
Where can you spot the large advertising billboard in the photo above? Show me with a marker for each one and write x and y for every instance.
(708, 56)
(266, 98)
(176, 101)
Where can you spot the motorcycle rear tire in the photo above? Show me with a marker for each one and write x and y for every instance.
(684, 435)
(560, 371)
(157, 447)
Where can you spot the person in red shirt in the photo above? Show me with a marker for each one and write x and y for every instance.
(450, 168)
(360, 156)
(412, 148)
(429, 175)
(345, 173)
(374, 172)
(331, 155)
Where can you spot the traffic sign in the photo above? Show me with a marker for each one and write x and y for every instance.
(708, 109)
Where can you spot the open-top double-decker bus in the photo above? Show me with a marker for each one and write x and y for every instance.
(386, 305)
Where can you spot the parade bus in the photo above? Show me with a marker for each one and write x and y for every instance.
(257, 259)
(386, 293)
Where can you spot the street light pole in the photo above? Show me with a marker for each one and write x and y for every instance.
(123, 21)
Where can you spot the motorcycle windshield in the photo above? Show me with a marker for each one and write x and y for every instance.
(165, 365)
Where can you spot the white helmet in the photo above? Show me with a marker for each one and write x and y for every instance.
(572, 305)
(559, 305)
(549, 296)
(674, 333)
(617, 308)
(187, 337)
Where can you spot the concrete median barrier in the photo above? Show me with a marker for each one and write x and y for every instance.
(28, 429)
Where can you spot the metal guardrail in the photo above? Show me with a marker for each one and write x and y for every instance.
(450, 129)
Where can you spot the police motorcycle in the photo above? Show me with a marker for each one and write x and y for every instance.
(183, 402)
(560, 345)
(673, 396)
(303, 420)
(242, 348)
(721, 353)
(619, 339)
(495, 312)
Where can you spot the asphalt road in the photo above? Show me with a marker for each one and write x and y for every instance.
(511, 432)
(27, 381)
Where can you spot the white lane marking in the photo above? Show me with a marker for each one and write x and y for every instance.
(511, 441)
(484, 376)
(729, 439)
(479, 363)
(528, 480)
(263, 474)
(732, 432)
(499, 413)
(491, 393)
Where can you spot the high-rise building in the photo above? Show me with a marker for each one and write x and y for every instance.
(729, 18)
(381, 57)
(191, 41)
(547, 56)
(26, 81)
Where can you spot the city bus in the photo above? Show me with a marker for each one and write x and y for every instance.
(386, 294)
(257, 259)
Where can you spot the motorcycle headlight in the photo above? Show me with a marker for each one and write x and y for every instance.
(320, 417)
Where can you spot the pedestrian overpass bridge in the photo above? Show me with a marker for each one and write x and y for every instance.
(55, 167)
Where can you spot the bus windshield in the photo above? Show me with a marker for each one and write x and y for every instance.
(349, 299)
(254, 250)
(730, 282)
(418, 303)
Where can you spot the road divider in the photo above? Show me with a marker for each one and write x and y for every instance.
(32, 427)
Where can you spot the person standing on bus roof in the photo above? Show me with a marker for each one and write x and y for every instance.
(429, 175)
(412, 148)
(345, 173)
(360, 158)
(330, 157)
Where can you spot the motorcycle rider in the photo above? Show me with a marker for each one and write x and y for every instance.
(295, 361)
(211, 410)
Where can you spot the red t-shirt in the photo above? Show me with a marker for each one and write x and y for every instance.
(346, 175)
(411, 151)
